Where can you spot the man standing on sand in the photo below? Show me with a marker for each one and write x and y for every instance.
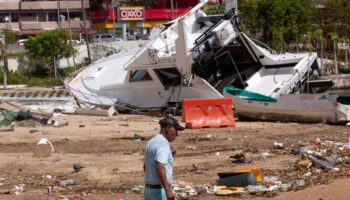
(158, 163)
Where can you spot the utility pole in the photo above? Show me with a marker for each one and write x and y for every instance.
(85, 31)
(58, 15)
(3, 67)
(172, 9)
(113, 18)
(70, 31)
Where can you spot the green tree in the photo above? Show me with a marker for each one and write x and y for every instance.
(248, 16)
(337, 16)
(318, 36)
(46, 48)
(283, 20)
(335, 38)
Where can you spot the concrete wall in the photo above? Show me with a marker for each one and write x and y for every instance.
(98, 51)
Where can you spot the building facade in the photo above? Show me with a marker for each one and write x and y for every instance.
(31, 16)
(138, 18)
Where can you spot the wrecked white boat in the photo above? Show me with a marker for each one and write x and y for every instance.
(193, 56)
(306, 108)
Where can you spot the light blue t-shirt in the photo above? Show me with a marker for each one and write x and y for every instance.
(158, 149)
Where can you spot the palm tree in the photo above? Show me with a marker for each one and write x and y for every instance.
(318, 36)
(335, 38)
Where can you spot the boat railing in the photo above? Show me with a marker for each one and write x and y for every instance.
(265, 46)
(209, 32)
(166, 50)
(297, 78)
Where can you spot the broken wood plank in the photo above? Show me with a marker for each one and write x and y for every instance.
(204, 152)
(90, 112)
(6, 129)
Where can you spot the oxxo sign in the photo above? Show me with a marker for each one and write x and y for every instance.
(131, 13)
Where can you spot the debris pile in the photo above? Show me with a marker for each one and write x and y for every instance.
(318, 162)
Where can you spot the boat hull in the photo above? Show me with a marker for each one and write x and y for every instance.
(304, 108)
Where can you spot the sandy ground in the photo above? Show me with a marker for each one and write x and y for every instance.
(113, 160)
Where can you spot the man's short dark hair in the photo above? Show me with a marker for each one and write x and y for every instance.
(170, 121)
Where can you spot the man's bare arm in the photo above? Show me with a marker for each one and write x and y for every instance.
(162, 177)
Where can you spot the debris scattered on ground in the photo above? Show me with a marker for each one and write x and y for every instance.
(43, 148)
(95, 112)
(236, 179)
(184, 190)
(64, 183)
(238, 158)
(17, 189)
(278, 145)
(138, 189)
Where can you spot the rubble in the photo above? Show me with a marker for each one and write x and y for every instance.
(17, 189)
(64, 183)
(287, 169)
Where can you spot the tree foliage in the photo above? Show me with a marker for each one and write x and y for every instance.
(45, 47)
(282, 20)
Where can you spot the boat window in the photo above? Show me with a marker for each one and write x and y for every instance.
(140, 75)
(169, 76)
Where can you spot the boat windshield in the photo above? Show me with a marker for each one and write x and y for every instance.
(140, 75)
(169, 76)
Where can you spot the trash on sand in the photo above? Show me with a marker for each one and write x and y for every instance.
(27, 115)
(55, 123)
(295, 151)
(111, 111)
(227, 191)
(300, 183)
(138, 189)
(7, 128)
(45, 141)
(271, 180)
(278, 145)
(52, 122)
(257, 189)
(238, 158)
(34, 130)
(137, 137)
(304, 164)
(191, 147)
(263, 156)
(347, 161)
(256, 171)
(186, 190)
(18, 189)
(63, 198)
(44, 148)
(236, 179)
(321, 163)
(91, 112)
(64, 183)
(284, 187)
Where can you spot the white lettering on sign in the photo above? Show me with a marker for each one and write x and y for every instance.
(131, 13)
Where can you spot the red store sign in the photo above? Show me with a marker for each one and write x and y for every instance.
(131, 13)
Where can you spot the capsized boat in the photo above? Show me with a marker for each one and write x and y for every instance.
(306, 108)
(193, 56)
